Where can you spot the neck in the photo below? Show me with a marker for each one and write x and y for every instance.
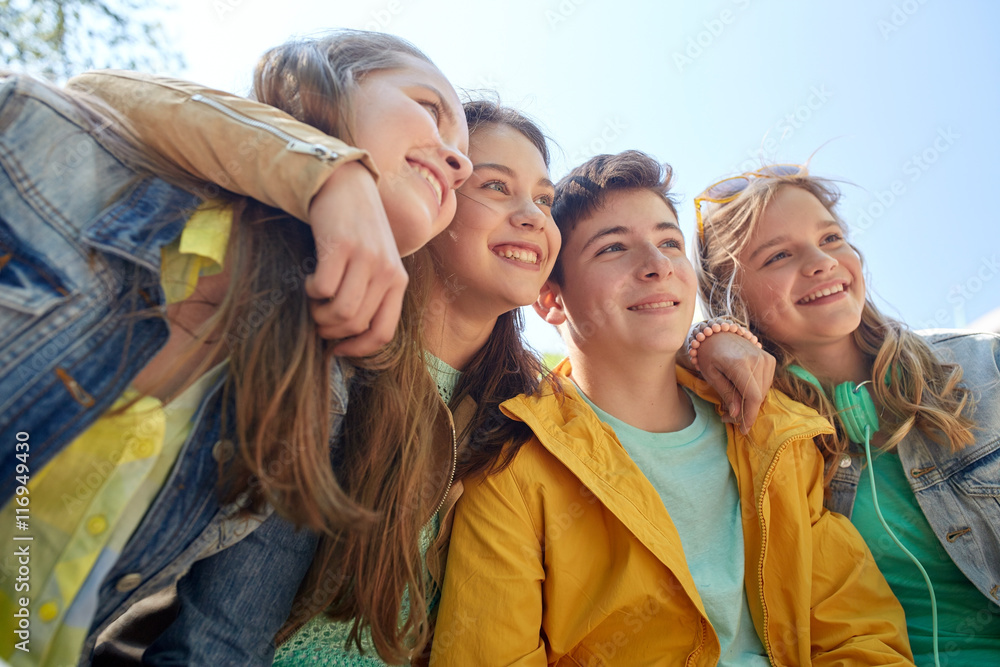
(456, 330)
(642, 392)
(838, 362)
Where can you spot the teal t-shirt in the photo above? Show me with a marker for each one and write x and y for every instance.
(968, 623)
(691, 472)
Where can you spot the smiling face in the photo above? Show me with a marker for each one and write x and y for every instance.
(627, 285)
(502, 244)
(410, 121)
(801, 281)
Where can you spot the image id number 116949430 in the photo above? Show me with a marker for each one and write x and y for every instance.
(22, 542)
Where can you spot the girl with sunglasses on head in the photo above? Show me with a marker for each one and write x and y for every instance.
(167, 390)
(772, 252)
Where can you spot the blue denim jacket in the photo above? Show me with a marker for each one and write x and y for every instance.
(959, 493)
(80, 315)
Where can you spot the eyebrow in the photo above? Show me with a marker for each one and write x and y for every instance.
(778, 240)
(621, 229)
(504, 169)
(445, 107)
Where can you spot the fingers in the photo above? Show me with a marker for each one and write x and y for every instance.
(357, 288)
(323, 284)
(740, 372)
(382, 329)
(751, 386)
(366, 305)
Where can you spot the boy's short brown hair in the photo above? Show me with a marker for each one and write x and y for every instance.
(583, 191)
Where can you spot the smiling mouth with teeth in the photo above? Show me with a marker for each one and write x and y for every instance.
(517, 254)
(654, 306)
(821, 293)
(430, 178)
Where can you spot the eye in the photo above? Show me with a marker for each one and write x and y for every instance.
(672, 243)
(775, 257)
(434, 107)
(614, 247)
(833, 238)
(499, 186)
(545, 200)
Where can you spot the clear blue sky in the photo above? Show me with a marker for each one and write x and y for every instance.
(907, 90)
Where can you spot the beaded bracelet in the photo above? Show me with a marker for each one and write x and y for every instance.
(702, 330)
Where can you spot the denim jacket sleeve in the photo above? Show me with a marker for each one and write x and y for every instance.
(232, 604)
(246, 147)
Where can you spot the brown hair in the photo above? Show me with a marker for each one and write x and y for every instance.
(924, 393)
(385, 456)
(584, 190)
(385, 563)
(278, 373)
(504, 367)
(359, 495)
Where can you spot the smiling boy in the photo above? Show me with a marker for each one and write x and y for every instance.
(636, 527)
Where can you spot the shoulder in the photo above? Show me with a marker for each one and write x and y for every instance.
(978, 353)
(961, 341)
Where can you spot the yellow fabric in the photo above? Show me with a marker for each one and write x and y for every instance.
(86, 502)
(569, 557)
(200, 250)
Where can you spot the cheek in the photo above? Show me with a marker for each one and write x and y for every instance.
(761, 299)
(555, 243)
(447, 213)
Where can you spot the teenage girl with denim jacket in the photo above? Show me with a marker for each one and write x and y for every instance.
(151, 364)
(772, 251)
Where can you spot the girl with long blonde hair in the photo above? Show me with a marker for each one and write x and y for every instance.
(773, 252)
(169, 393)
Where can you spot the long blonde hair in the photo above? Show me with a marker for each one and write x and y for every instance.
(362, 491)
(367, 567)
(924, 393)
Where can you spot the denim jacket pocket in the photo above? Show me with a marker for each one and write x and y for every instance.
(982, 477)
(28, 283)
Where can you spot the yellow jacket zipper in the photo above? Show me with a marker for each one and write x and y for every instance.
(763, 530)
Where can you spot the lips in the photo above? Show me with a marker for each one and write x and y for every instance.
(433, 178)
(524, 253)
(826, 290)
(658, 302)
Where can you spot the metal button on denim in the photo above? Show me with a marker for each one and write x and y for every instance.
(128, 582)
(222, 451)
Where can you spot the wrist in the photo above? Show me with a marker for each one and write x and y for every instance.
(702, 330)
(347, 178)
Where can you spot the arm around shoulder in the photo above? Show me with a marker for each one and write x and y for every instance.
(246, 147)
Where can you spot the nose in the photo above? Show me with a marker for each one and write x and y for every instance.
(816, 261)
(653, 264)
(529, 215)
(459, 166)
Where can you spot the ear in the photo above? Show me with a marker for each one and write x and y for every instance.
(549, 304)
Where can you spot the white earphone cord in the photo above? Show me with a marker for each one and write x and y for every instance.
(878, 513)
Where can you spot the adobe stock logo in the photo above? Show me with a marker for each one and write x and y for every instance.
(704, 39)
(914, 168)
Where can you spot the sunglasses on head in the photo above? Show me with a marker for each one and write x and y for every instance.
(729, 189)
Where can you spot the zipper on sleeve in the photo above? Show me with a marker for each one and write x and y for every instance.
(294, 145)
